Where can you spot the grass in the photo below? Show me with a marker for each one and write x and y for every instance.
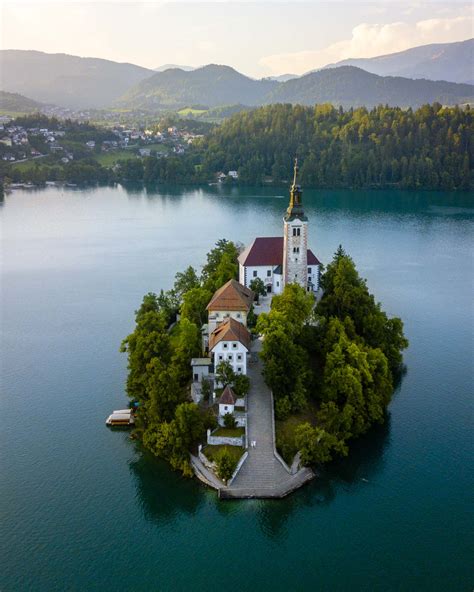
(229, 432)
(285, 431)
(108, 159)
(189, 111)
(212, 452)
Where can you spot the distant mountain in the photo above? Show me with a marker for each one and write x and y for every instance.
(282, 77)
(66, 80)
(173, 67)
(16, 103)
(453, 62)
(210, 85)
(352, 87)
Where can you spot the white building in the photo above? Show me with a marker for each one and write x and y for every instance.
(280, 260)
(200, 368)
(227, 401)
(230, 342)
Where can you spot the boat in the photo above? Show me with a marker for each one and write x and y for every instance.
(120, 417)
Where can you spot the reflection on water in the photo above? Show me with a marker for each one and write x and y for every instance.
(162, 493)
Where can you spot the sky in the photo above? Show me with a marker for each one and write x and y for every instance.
(262, 38)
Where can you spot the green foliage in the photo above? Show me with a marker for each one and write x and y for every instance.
(316, 445)
(172, 440)
(241, 385)
(185, 281)
(344, 355)
(225, 374)
(221, 265)
(187, 346)
(229, 421)
(206, 389)
(258, 287)
(385, 147)
(346, 296)
(285, 360)
(194, 305)
(226, 464)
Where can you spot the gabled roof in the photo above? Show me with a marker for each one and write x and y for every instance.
(231, 296)
(227, 397)
(268, 250)
(230, 330)
(312, 259)
(265, 250)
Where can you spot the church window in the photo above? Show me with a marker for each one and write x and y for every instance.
(296, 231)
(221, 357)
(225, 345)
(239, 357)
(278, 284)
(296, 249)
(269, 272)
(309, 270)
(255, 273)
(234, 346)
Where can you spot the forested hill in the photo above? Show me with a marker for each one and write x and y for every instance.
(352, 87)
(15, 102)
(428, 148)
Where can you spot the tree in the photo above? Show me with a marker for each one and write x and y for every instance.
(229, 421)
(225, 374)
(316, 445)
(172, 440)
(185, 281)
(226, 465)
(258, 287)
(221, 265)
(194, 305)
(187, 345)
(241, 385)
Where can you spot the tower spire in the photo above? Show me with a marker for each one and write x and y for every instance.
(295, 208)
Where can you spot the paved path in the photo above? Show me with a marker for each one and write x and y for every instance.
(262, 474)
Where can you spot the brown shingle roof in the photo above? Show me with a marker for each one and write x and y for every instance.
(268, 250)
(227, 397)
(231, 296)
(230, 330)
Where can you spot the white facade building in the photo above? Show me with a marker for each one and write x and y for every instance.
(230, 342)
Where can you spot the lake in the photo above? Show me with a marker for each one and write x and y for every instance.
(84, 508)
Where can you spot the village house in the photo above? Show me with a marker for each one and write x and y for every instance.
(230, 342)
(227, 401)
(232, 300)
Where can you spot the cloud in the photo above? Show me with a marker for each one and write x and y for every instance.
(370, 40)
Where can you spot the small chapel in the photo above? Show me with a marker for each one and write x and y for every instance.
(281, 260)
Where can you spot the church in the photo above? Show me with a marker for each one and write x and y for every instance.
(281, 260)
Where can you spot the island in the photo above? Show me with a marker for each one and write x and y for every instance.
(263, 368)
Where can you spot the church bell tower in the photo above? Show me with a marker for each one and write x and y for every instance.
(295, 241)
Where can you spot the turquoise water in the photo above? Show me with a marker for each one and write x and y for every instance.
(83, 508)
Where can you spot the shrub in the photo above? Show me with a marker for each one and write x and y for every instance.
(229, 421)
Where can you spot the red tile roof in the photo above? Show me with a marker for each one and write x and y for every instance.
(231, 296)
(268, 250)
(227, 397)
(229, 330)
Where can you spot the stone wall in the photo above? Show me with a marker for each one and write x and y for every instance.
(220, 440)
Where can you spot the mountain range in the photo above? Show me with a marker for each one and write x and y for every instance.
(81, 83)
(65, 80)
(453, 62)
